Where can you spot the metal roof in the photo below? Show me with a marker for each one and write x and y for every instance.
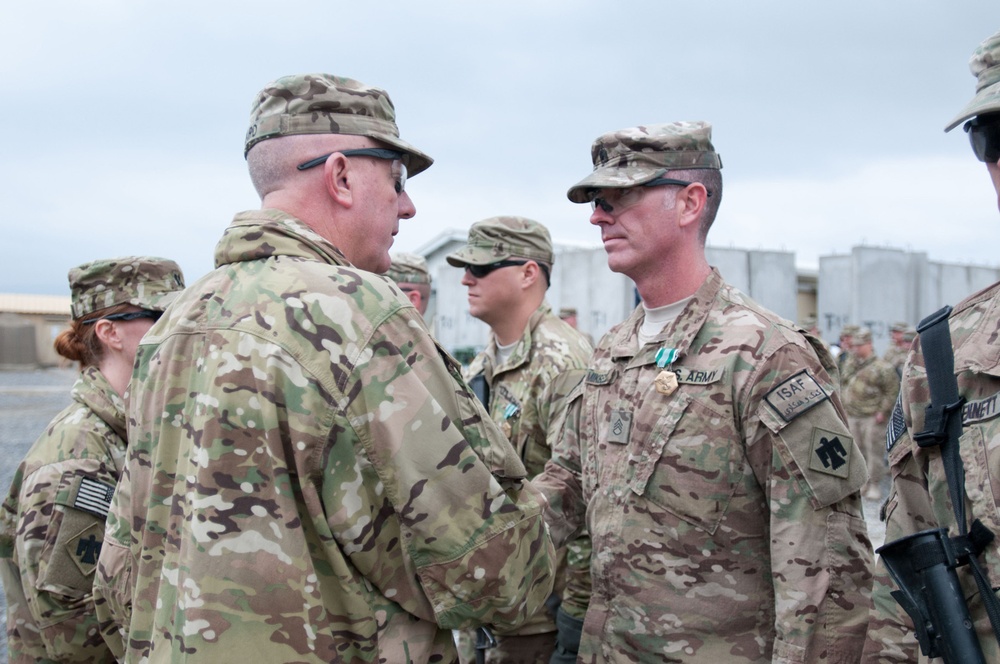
(54, 305)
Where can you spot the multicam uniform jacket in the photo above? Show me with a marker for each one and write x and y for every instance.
(722, 492)
(310, 479)
(528, 400)
(919, 498)
(52, 526)
(871, 388)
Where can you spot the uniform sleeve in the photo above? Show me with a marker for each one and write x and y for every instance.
(561, 481)
(58, 541)
(801, 451)
(113, 580)
(475, 548)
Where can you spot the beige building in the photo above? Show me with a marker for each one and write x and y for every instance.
(29, 325)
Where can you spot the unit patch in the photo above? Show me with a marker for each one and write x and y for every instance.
(796, 395)
(831, 453)
(94, 497)
(896, 426)
(980, 411)
(85, 548)
(618, 426)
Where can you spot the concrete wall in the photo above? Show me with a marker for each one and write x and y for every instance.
(876, 287)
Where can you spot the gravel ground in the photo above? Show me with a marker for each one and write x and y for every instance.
(30, 399)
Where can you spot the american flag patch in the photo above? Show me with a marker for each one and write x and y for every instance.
(94, 497)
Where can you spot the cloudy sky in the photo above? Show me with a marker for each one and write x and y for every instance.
(124, 119)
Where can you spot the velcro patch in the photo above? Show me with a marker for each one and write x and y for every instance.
(980, 411)
(85, 548)
(796, 395)
(831, 453)
(896, 426)
(94, 497)
(600, 377)
(618, 426)
(697, 376)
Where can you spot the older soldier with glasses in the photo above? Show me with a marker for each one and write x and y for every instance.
(310, 478)
(921, 497)
(706, 448)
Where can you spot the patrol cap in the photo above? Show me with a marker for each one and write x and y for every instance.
(566, 312)
(849, 330)
(862, 336)
(634, 156)
(327, 104)
(985, 66)
(899, 326)
(407, 268)
(498, 238)
(146, 282)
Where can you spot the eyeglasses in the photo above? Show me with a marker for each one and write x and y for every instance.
(130, 315)
(622, 199)
(480, 271)
(984, 136)
(379, 153)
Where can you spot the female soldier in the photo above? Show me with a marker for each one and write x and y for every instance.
(52, 522)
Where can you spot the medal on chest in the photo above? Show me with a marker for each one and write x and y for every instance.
(665, 381)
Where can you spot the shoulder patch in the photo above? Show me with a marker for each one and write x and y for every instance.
(94, 497)
(896, 426)
(796, 395)
(831, 453)
(980, 411)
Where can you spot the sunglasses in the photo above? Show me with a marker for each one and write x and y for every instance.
(379, 153)
(984, 136)
(622, 199)
(131, 315)
(480, 271)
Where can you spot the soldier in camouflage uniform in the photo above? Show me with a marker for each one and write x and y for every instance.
(869, 393)
(52, 521)
(309, 479)
(720, 480)
(901, 336)
(846, 358)
(918, 499)
(410, 273)
(530, 364)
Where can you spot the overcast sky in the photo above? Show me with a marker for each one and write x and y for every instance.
(124, 119)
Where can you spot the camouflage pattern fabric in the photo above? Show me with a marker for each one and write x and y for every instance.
(52, 527)
(528, 400)
(146, 282)
(871, 388)
(721, 492)
(896, 356)
(309, 479)
(919, 497)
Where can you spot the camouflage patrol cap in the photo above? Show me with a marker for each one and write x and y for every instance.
(636, 155)
(327, 104)
(144, 281)
(498, 238)
(899, 326)
(408, 268)
(566, 312)
(849, 330)
(985, 66)
(862, 336)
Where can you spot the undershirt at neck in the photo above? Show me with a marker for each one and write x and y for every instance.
(657, 319)
(504, 352)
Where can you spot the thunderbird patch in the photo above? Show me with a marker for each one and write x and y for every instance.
(831, 453)
(796, 395)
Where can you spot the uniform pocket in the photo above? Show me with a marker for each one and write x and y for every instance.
(686, 465)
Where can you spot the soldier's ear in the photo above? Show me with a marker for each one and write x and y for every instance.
(107, 333)
(340, 180)
(530, 274)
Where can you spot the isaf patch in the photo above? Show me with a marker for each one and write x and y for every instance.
(831, 453)
(796, 395)
(896, 426)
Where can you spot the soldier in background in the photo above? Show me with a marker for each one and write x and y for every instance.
(569, 316)
(309, 479)
(52, 522)
(869, 393)
(531, 362)
(900, 337)
(919, 496)
(845, 359)
(706, 447)
(410, 273)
